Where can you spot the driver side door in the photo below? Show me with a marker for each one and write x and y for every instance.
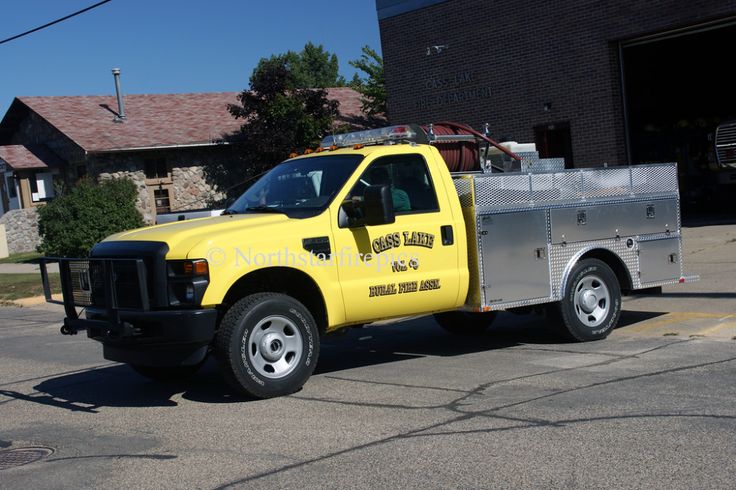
(401, 268)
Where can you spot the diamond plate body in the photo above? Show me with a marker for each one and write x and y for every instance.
(630, 215)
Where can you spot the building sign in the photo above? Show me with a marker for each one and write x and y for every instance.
(451, 89)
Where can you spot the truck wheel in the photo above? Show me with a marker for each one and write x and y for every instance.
(592, 303)
(465, 323)
(168, 373)
(267, 345)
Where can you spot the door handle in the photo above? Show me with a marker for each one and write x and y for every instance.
(448, 238)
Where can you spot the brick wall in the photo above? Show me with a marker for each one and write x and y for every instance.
(500, 62)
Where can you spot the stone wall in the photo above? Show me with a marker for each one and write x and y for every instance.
(21, 228)
(188, 184)
(191, 189)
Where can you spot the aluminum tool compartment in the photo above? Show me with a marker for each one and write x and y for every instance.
(529, 229)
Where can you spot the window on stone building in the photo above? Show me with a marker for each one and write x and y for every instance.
(11, 187)
(34, 183)
(156, 168)
(163, 202)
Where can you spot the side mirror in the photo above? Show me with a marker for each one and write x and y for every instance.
(378, 205)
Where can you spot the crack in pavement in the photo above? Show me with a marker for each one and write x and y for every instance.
(453, 406)
(400, 385)
(482, 387)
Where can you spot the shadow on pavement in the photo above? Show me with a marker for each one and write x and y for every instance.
(689, 294)
(119, 386)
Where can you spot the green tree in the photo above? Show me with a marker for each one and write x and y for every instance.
(372, 86)
(72, 223)
(280, 115)
(312, 67)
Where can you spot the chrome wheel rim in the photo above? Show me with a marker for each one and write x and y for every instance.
(592, 301)
(275, 347)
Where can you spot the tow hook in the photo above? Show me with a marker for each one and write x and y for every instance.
(67, 330)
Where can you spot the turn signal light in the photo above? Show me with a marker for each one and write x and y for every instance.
(196, 268)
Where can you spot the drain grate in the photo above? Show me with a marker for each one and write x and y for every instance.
(10, 458)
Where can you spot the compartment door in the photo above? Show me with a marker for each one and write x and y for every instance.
(515, 257)
(659, 260)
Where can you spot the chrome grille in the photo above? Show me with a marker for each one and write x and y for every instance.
(81, 282)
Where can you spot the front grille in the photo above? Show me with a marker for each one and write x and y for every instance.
(88, 281)
(81, 282)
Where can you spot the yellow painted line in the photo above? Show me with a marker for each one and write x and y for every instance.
(671, 318)
(717, 328)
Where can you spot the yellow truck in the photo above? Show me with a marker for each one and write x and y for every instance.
(373, 226)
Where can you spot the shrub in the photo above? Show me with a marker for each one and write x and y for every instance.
(71, 224)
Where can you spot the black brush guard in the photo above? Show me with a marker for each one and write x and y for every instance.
(98, 280)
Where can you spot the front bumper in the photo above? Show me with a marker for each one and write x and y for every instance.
(126, 316)
(151, 338)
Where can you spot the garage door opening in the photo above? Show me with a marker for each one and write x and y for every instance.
(678, 90)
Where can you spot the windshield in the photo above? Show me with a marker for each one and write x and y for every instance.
(299, 188)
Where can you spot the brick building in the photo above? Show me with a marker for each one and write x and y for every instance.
(163, 145)
(595, 82)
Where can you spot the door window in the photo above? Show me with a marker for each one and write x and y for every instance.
(408, 177)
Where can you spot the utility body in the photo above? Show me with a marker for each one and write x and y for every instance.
(371, 227)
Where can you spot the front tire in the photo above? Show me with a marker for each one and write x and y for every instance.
(591, 306)
(267, 345)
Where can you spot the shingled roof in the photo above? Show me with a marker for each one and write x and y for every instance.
(20, 157)
(155, 120)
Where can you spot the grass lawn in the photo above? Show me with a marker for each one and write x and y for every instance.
(16, 286)
(21, 258)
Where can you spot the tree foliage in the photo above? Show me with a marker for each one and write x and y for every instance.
(312, 67)
(371, 87)
(281, 113)
(72, 223)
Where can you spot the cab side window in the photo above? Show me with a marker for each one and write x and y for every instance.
(407, 176)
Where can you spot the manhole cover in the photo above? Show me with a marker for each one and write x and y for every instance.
(23, 455)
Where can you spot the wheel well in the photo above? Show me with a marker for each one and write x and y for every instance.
(286, 280)
(614, 262)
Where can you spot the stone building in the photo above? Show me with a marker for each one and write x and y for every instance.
(163, 144)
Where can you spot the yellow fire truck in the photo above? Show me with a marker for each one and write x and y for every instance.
(374, 225)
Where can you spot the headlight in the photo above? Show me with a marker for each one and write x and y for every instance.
(188, 280)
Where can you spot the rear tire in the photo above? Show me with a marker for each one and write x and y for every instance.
(592, 304)
(465, 323)
(267, 345)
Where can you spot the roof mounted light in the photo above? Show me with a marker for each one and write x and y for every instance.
(387, 135)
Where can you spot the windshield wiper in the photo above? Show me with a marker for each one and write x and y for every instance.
(228, 211)
(264, 209)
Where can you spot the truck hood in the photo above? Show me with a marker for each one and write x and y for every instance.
(182, 236)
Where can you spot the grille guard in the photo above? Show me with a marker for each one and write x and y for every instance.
(111, 306)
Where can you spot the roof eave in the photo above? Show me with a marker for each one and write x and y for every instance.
(160, 147)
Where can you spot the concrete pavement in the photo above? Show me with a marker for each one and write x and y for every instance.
(405, 405)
